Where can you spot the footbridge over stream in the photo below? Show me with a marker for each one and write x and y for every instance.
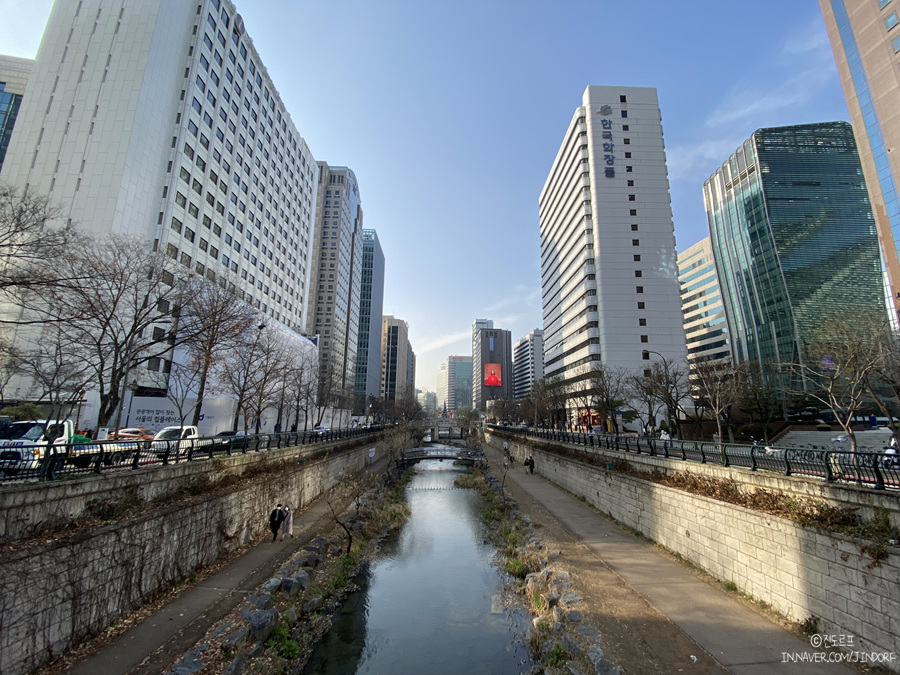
(461, 455)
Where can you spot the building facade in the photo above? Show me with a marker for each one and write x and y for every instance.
(398, 360)
(865, 38)
(454, 384)
(159, 121)
(14, 74)
(337, 278)
(491, 364)
(608, 266)
(371, 304)
(528, 362)
(793, 238)
(705, 327)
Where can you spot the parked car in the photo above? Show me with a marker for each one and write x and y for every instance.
(175, 440)
(132, 434)
(321, 431)
(230, 441)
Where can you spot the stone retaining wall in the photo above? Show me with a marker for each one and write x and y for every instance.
(56, 592)
(801, 573)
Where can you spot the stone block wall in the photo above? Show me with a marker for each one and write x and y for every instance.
(800, 572)
(57, 591)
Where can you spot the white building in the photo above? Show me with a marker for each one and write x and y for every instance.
(701, 304)
(608, 267)
(158, 120)
(337, 274)
(528, 362)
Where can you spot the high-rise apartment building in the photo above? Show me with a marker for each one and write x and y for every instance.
(337, 276)
(608, 272)
(793, 238)
(705, 326)
(491, 363)
(528, 362)
(160, 121)
(398, 361)
(14, 74)
(371, 304)
(865, 38)
(454, 384)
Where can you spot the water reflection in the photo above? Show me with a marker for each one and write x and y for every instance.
(424, 605)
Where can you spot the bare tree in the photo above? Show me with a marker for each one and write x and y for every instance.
(270, 360)
(760, 397)
(717, 387)
(57, 376)
(580, 392)
(843, 356)
(301, 377)
(235, 372)
(183, 382)
(116, 304)
(215, 322)
(609, 385)
(643, 388)
(28, 241)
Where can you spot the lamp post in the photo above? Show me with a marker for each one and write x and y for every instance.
(133, 387)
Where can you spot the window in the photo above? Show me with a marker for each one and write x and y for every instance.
(630, 183)
(646, 356)
(635, 242)
(627, 155)
(176, 225)
(624, 113)
(625, 127)
(626, 141)
(883, 3)
(642, 305)
(645, 338)
(629, 169)
(632, 212)
(180, 199)
(623, 98)
(638, 273)
(895, 43)
(891, 20)
(634, 227)
(642, 322)
(637, 257)
(639, 289)
(631, 198)
(193, 210)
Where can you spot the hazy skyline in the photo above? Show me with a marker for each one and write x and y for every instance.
(450, 115)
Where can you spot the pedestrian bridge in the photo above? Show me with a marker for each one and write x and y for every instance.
(457, 455)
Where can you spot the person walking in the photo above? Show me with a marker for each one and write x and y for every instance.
(287, 527)
(530, 464)
(276, 518)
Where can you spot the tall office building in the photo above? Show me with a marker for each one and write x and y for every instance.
(371, 304)
(865, 38)
(528, 362)
(158, 120)
(454, 384)
(337, 275)
(491, 364)
(608, 272)
(705, 326)
(398, 360)
(793, 238)
(14, 74)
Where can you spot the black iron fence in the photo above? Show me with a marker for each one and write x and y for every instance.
(29, 462)
(879, 470)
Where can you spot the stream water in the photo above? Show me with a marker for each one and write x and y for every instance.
(431, 601)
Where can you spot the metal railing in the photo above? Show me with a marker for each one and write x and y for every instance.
(871, 469)
(22, 463)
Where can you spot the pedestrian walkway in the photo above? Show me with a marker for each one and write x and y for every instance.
(151, 646)
(741, 639)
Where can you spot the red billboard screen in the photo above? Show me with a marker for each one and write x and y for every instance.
(492, 375)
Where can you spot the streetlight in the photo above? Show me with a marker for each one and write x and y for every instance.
(133, 387)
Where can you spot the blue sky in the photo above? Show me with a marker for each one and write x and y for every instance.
(451, 113)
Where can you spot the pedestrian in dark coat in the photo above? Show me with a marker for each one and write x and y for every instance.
(276, 518)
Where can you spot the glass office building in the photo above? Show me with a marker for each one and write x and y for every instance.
(793, 238)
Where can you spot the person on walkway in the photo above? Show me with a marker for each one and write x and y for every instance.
(276, 518)
(287, 527)
(530, 464)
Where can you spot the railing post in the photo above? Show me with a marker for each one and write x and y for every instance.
(702, 452)
(725, 461)
(136, 462)
(753, 458)
(787, 464)
(879, 479)
(99, 467)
